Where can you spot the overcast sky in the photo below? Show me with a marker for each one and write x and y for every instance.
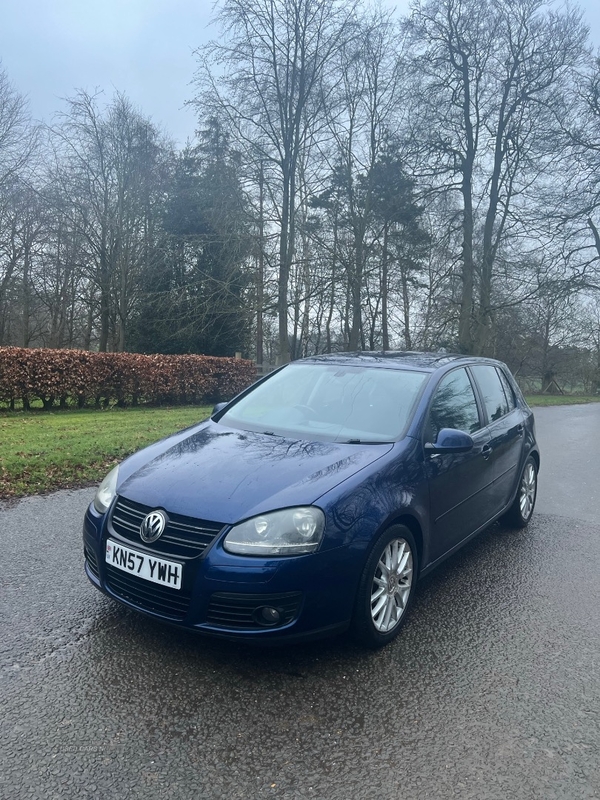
(140, 47)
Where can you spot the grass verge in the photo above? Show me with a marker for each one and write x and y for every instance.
(559, 399)
(43, 451)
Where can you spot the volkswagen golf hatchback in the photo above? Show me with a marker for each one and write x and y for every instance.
(314, 500)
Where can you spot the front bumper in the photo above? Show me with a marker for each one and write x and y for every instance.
(222, 594)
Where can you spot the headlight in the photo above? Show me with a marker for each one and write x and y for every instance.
(289, 532)
(106, 491)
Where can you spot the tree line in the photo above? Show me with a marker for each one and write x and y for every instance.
(357, 181)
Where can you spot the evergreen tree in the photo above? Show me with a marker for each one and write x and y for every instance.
(195, 301)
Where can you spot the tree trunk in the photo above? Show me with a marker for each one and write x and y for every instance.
(333, 284)
(104, 296)
(285, 260)
(356, 287)
(465, 338)
(26, 292)
(384, 291)
(260, 270)
(406, 307)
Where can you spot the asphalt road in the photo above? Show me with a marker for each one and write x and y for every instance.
(492, 690)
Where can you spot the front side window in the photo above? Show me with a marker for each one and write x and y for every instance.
(494, 399)
(330, 402)
(453, 406)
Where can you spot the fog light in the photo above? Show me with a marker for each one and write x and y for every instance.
(267, 615)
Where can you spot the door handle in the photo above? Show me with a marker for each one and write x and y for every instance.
(486, 451)
(520, 430)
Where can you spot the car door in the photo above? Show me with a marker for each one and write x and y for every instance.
(459, 483)
(505, 426)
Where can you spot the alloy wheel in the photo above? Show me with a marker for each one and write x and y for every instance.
(527, 491)
(392, 583)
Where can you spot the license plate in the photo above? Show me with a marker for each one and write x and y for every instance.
(150, 568)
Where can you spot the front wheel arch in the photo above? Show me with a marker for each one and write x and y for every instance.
(414, 527)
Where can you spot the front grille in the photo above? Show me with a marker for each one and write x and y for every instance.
(167, 602)
(92, 561)
(184, 537)
(236, 610)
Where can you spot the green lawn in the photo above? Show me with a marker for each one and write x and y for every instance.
(42, 451)
(559, 399)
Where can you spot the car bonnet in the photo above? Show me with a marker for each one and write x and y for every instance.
(221, 474)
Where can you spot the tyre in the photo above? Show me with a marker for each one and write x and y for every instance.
(386, 588)
(519, 514)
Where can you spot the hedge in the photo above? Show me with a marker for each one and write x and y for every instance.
(81, 377)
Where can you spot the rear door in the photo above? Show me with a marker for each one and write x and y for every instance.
(460, 484)
(505, 425)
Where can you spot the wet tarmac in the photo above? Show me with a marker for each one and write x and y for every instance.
(491, 691)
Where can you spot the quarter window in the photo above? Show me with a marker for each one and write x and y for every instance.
(494, 399)
(453, 405)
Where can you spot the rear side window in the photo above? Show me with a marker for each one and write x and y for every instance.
(453, 406)
(492, 392)
(510, 397)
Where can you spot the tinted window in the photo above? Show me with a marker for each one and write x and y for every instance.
(453, 405)
(510, 397)
(492, 392)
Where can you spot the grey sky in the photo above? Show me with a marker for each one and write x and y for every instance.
(141, 47)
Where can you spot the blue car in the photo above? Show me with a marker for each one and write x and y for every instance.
(312, 502)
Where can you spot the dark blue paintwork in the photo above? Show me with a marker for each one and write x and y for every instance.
(227, 475)
(211, 472)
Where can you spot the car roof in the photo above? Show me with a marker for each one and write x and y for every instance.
(397, 359)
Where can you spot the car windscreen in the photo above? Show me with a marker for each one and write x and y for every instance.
(330, 402)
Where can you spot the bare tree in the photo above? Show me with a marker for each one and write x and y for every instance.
(18, 144)
(18, 137)
(580, 193)
(487, 77)
(267, 74)
(106, 167)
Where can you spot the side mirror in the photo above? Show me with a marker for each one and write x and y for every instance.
(217, 408)
(450, 440)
